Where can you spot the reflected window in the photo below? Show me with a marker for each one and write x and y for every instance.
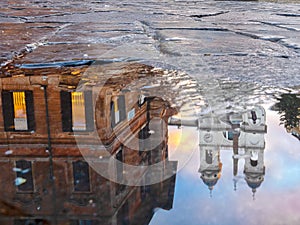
(253, 116)
(167, 152)
(30, 222)
(77, 111)
(229, 135)
(209, 156)
(254, 158)
(120, 169)
(143, 135)
(253, 162)
(117, 110)
(84, 222)
(81, 176)
(18, 110)
(24, 180)
(144, 190)
(123, 215)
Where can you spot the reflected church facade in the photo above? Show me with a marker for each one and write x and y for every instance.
(241, 133)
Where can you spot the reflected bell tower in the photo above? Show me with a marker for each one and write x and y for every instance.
(254, 169)
(210, 164)
(243, 134)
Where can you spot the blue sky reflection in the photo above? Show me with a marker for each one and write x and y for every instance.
(276, 200)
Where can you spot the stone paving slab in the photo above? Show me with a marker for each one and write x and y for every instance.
(200, 37)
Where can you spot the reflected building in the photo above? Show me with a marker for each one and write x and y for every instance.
(60, 123)
(243, 133)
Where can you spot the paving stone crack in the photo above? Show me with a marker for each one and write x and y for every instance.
(208, 15)
(278, 26)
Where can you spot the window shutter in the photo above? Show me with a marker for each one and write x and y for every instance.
(112, 114)
(8, 110)
(30, 110)
(120, 169)
(89, 110)
(66, 111)
(122, 107)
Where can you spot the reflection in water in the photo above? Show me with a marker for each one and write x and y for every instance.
(288, 106)
(241, 132)
(48, 124)
(89, 144)
(225, 129)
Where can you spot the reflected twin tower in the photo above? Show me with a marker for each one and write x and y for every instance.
(241, 132)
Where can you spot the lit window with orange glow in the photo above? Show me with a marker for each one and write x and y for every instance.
(20, 117)
(78, 111)
(18, 110)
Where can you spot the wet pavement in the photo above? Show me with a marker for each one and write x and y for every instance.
(215, 83)
(248, 41)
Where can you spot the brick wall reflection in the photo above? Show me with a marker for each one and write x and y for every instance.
(45, 179)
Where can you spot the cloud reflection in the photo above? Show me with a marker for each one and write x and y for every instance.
(275, 202)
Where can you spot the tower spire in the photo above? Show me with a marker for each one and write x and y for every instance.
(253, 193)
(210, 191)
(234, 184)
(235, 165)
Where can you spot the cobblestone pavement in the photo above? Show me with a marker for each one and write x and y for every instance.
(254, 42)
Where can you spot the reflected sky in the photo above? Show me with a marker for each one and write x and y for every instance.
(275, 201)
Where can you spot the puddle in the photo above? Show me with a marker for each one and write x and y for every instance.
(158, 113)
(128, 139)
